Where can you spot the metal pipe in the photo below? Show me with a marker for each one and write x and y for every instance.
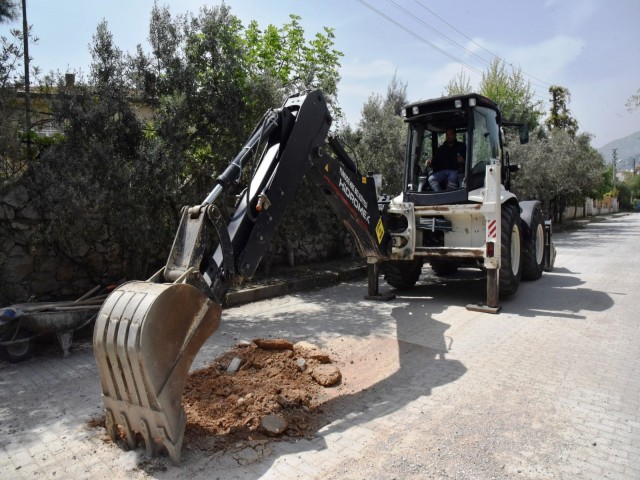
(234, 169)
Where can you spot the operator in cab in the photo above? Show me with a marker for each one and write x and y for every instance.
(447, 162)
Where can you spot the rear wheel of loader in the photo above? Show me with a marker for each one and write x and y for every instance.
(511, 258)
(533, 248)
(402, 274)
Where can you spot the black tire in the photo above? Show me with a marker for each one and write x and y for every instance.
(402, 274)
(19, 350)
(533, 247)
(511, 258)
(443, 268)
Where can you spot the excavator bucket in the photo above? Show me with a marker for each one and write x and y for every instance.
(145, 339)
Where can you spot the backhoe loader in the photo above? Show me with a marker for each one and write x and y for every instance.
(147, 333)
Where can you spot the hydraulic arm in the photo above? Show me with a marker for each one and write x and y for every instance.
(148, 333)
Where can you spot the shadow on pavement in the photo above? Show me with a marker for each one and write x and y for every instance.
(558, 294)
(407, 331)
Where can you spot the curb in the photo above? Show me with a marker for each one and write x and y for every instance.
(283, 286)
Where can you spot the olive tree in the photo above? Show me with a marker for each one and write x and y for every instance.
(509, 89)
(560, 117)
(92, 185)
(559, 170)
(14, 131)
(378, 142)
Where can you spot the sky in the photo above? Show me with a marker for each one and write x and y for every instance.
(591, 47)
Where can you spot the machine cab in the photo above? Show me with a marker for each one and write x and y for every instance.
(476, 122)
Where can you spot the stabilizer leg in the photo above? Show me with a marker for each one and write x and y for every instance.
(374, 284)
(493, 304)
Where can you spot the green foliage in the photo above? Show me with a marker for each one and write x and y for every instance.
(14, 156)
(560, 117)
(90, 184)
(629, 192)
(512, 93)
(280, 62)
(379, 140)
(549, 166)
(210, 80)
(296, 64)
(633, 102)
(624, 195)
(460, 85)
(149, 132)
(509, 90)
(8, 10)
(551, 159)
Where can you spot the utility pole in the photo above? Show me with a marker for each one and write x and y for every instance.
(613, 163)
(27, 98)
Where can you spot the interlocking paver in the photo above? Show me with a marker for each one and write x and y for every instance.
(547, 389)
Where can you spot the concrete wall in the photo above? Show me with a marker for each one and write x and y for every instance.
(600, 207)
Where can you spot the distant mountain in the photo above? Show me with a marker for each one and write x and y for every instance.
(628, 151)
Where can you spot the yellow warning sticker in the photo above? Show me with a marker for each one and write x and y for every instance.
(326, 167)
(364, 179)
(380, 230)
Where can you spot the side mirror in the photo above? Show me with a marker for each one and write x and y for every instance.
(524, 134)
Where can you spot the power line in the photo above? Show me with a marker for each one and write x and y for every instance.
(445, 37)
(444, 52)
(440, 34)
(422, 39)
(478, 44)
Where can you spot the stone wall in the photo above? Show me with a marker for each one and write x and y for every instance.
(33, 268)
(302, 247)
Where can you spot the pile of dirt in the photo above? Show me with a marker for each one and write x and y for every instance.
(269, 388)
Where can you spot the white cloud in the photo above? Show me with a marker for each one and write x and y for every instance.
(600, 107)
(573, 14)
(549, 59)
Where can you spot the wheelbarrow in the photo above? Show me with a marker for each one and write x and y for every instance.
(21, 324)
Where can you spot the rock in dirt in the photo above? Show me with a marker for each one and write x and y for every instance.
(302, 345)
(326, 375)
(234, 365)
(273, 343)
(311, 352)
(301, 364)
(273, 424)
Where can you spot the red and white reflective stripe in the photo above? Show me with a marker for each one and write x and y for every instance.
(491, 229)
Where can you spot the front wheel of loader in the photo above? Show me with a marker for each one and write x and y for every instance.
(145, 338)
(402, 274)
(533, 248)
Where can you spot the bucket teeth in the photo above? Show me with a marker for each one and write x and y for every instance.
(145, 339)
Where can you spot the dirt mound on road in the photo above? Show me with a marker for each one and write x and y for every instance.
(264, 389)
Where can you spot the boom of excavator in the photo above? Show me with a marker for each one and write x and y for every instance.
(148, 333)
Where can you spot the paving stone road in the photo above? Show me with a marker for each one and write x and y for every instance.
(549, 388)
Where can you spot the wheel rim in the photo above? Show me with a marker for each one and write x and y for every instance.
(515, 250)
(539, 244)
